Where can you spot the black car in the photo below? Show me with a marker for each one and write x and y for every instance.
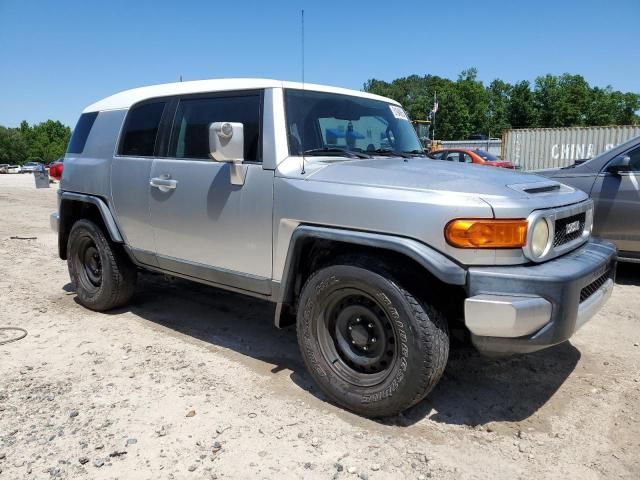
(612, 179)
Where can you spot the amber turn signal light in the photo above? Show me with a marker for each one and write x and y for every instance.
(486, 233)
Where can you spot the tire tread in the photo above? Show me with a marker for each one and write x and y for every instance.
(122, 280)
(431, 328)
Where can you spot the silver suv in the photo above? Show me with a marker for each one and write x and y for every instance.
(321, 200)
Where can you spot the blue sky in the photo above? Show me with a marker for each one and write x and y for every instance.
(59, 56)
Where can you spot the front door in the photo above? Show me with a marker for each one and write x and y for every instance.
(617, 206)
(204, 226)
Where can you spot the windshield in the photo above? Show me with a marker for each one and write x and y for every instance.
(486, 156)
(320, 121)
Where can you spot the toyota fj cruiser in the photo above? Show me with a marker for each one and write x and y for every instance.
(321, 200)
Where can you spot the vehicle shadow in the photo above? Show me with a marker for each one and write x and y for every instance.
(628, 274)
(220, 318)
(474, 390)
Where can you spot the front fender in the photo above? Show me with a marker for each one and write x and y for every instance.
(440, 266)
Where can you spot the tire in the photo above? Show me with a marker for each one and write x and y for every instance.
(102, 273)
(351, 314)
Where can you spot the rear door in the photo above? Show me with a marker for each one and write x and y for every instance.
(130, 173)
(206, 227)
(617, 206)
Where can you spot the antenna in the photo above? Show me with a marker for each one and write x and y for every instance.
(302, 172)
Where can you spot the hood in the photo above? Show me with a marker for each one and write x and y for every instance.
(437, 176)
(550, 172)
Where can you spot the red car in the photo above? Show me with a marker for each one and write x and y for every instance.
(468, 155)
(55, 169)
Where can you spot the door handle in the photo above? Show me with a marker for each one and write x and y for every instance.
(164, 184)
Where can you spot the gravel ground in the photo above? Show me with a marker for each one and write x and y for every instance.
(193, 382)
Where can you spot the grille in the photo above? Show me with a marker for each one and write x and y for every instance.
(561, 236)
(593, 287)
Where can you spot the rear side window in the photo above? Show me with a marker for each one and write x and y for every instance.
(141, 130)
(81, 132)
(190, 133)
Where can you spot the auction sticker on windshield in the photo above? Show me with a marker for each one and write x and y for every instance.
(398, 112)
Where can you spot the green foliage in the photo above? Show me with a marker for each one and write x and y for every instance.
(467, 106)
(43, 142)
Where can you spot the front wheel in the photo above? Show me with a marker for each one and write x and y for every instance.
(371, 346)
(102, 273)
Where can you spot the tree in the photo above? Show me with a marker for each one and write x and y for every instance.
(521, 111)
(13, 147)
(43, 142)
(475, 100)
(467, 106)
(498, 94)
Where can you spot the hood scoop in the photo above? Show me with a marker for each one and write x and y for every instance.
(540, 188)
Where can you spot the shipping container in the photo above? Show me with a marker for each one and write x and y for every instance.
(492, 146)
(540, 148)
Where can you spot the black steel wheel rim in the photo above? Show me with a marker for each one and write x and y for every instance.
(90, 264)
(357, 337)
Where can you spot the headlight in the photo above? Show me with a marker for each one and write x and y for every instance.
(539, 237)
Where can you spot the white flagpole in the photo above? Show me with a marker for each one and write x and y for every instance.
(434, 109)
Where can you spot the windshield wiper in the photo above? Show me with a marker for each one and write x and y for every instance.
(387, 152)
(415, 152)
(336, 152)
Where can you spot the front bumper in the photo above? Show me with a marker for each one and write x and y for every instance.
(521, 309)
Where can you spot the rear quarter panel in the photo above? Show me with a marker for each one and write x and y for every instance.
(90, 171)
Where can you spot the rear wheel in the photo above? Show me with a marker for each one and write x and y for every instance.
(370, 345)
(103, 275)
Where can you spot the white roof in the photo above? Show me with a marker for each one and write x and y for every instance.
(125, 99)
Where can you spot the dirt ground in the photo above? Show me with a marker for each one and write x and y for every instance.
(193, 382)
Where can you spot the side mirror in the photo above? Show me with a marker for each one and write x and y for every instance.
(226, 144)
(619, 164)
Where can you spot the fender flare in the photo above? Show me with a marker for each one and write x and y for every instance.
(105, 213)
(65, 216)
(440, 266)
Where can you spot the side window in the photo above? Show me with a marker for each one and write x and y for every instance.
(437, 155)
(453, 157)
(190, 132)
(635, 160)
(81, 132)
(467, 158)
(141, 129)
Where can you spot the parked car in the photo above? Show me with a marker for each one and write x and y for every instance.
(4, 167)
(611, 179)
(14, 169)
(31, 167)
(55, 169)
(320, 200)
(468, 155)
